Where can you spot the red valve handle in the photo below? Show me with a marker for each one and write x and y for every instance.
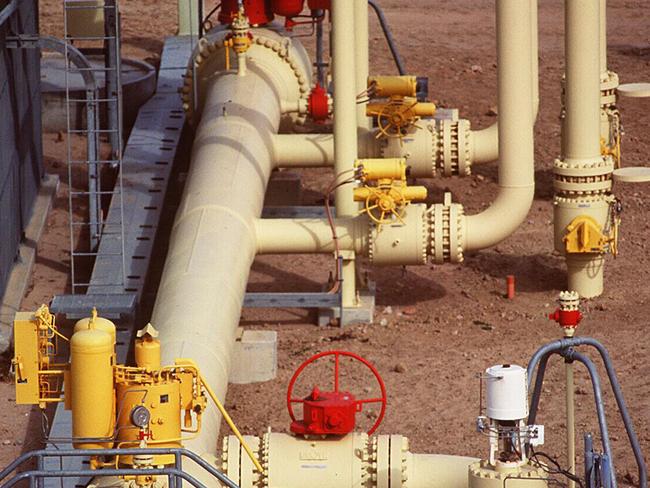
(337, 355)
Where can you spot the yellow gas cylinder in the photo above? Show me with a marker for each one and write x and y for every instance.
(163, 402)
(91, 385)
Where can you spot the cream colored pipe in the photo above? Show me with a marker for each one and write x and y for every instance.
(310, 236)
(352, 461)
(213, 240)
(437, 471)
(581, 143)
(603, 38)
(316, 150)
(516, 168)
(485, 142)
(362, 58)
(582, 45)
(345, 126)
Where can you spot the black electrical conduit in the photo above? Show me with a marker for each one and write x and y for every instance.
(564, 347)
(389, 36)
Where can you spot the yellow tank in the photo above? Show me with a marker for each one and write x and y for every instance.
(99, 323)
(86, 19)
(163, 401)
(91, 385)
(147, 349)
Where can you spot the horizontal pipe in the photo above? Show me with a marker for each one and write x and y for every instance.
(303, 150)
(305, 236)
(438, 471)
(484, 144)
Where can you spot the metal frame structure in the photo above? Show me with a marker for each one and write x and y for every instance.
(42, 472)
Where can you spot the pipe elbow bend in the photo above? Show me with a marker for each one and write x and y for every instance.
(499, 220)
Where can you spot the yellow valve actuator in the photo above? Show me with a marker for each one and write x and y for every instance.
(91, 384)
(390, 86)
(380, 169)
(400, 194)
(584, 235)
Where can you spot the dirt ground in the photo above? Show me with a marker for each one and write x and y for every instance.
(436, 327)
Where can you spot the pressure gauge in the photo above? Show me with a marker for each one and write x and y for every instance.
(140, 416)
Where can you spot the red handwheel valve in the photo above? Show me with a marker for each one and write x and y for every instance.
(332, 412)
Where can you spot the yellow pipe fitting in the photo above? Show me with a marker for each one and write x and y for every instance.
(390, 86)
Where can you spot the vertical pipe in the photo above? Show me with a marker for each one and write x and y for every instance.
(603, 37)
(534, 47)
(516, 149)
(570, 423)
(582, 41)
(345, 125)
(362, 58)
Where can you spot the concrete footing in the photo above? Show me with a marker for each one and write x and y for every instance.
(363, 313)
(255, 358)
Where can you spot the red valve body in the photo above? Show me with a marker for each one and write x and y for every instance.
(319, 4)
(327, 413)
(318, 104)
(287, 8)
(566, 318)
(258, 11)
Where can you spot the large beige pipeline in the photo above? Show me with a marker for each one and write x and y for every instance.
(382, 461)
(213, 240)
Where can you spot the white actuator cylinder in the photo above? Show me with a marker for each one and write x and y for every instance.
(506, 391)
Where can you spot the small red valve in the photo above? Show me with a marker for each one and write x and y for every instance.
(566, 318)
(568, 315)
(332, 412)
(318, 104)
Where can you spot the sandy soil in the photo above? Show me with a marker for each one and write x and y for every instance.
(443, 324)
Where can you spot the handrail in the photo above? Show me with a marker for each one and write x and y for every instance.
(179, 453)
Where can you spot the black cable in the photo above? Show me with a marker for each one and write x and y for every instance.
(558, 468)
